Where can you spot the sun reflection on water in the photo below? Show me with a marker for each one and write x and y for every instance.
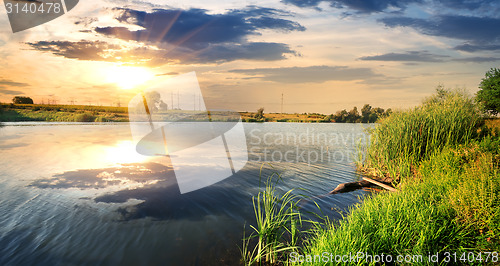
(124, 152)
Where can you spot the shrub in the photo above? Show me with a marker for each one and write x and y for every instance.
(85, 117)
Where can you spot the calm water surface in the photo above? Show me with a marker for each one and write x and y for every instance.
(78, 194)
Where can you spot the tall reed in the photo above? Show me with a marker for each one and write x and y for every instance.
(405, 138)
(277, 224)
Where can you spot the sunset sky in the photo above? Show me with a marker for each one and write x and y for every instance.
(324, 55)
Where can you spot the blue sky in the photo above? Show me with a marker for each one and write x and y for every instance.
(322, 55)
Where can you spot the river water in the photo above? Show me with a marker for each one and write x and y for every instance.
(79, 194)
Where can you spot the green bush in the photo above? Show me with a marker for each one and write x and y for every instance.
(85, 117)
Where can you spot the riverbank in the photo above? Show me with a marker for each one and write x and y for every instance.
(91, 113)
(446, 163)
(443, 157)
(62, 113)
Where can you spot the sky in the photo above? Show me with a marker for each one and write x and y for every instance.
(321, 55)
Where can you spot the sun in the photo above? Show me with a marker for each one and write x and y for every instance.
(128, 77)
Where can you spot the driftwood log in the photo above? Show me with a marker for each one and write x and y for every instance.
(366, 182)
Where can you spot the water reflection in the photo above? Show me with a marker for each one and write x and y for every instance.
(124, 176)
(79, 194)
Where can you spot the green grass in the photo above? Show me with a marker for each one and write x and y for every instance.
(405, 138)
(279, 227)
(276, 228)
(447, 165)
(62, 113)
(452, 206)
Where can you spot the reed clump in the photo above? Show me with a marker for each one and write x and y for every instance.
(405, 138)
(276, 230)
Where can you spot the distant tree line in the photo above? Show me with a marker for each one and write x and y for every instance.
(368, 115)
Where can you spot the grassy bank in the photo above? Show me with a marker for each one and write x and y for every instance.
(88, 113)
(446, 162)
(451, 207)
(444, 158)
(62, 113)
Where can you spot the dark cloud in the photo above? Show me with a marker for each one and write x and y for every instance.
(102, 51)
(195, 28)
(250, 51)
(183, 37)
(85, 21)
(362, 6)
(472, 29)
(315, 74)
(9, 92)
(477, 59)
(168, 74)
(480, 47)
(467, 4)
(11, 83)
(410, 56)
(82, 50)
(371, 6)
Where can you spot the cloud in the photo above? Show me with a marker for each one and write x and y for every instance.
(9, 92)
(182, 37)
(82, 50)
(6, 84)
(477, 59)
(11, 83)
(466, 47)
(251, 51)
(151, 56)
(195, 28)
(410, 56)
(316, 74)
(371, 6)
(474, 30)
(468, 4)
(363, 6)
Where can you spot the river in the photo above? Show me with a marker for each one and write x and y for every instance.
(79, 194)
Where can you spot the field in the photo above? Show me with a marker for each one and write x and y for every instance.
(62, 113)
(90, 113)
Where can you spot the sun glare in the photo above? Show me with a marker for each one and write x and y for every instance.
(129, 77)
(124, 152)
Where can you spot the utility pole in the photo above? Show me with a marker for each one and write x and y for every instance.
(281, 103)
